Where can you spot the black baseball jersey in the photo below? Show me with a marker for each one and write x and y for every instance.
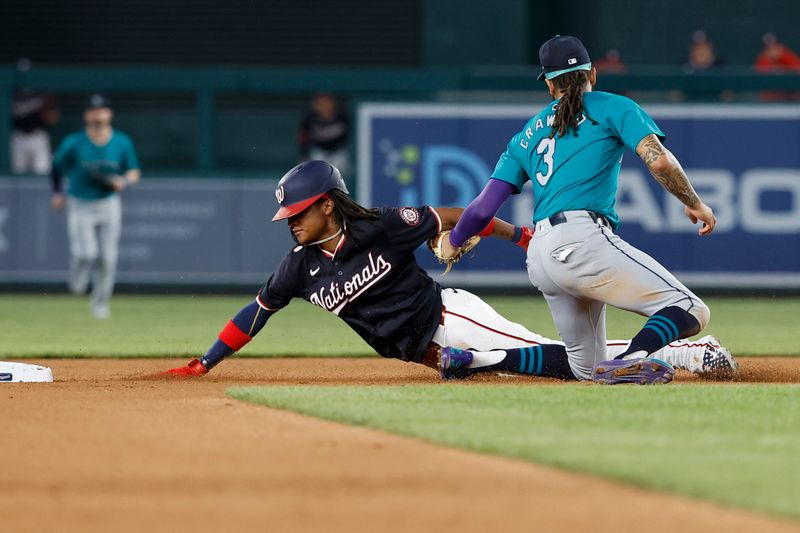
(28, 110)
(326, 134)
(371, 281)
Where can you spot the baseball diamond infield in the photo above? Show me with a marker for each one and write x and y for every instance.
(105, 449)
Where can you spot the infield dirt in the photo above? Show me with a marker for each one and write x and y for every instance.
(104, 449)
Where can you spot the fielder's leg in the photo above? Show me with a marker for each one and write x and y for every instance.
(640, 284)
(110, 212)
(583, 258)
(83, 246)
(580, 320)
(582, 326)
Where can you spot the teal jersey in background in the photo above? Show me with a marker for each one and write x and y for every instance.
(77, 157)
(576, 172)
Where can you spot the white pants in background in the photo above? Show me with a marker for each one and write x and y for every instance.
(94, 228)
(30, 153)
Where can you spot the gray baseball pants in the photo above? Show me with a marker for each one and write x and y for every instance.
(94, 227)
(580, 266)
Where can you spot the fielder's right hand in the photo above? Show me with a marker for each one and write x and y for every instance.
(704, 214)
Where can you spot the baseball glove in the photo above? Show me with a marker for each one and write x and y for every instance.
(435, 246)
(102, 181)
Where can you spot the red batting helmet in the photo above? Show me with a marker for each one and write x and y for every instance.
(304, 184)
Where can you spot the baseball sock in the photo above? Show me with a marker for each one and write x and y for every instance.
(667, 325)
(547, 360)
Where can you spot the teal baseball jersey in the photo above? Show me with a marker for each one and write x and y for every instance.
(576, 172)
(78, 157)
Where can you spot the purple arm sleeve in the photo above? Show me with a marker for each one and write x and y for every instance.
(481, 211)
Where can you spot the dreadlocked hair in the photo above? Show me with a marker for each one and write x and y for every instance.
(570, 109)
(346, 209)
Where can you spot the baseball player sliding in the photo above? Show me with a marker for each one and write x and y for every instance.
(571, 151)
(359, 264)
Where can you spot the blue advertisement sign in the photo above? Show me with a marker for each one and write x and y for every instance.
(743, 160)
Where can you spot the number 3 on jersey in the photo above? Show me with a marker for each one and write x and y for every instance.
(546, 148)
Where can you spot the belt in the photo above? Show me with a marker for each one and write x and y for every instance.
(561, 218)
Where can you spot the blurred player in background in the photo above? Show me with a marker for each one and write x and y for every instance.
(33, 114)
(98, 163)
(702, 55)
(611, 63)
(777, 58)
(359, 264)
(324, 133)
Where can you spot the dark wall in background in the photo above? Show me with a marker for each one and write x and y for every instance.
(251, 132)
(475, 33)
(380, 32)
(264, 32)
(659, 33)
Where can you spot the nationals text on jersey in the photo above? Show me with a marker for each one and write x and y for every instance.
(337, 298)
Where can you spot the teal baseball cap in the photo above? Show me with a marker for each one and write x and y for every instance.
(562, 54)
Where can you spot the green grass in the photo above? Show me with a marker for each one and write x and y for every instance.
(60, 326)
(734, 445)
(159, 326)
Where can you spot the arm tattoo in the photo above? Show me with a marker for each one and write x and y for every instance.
(650, 149)
(675, 181)
(672, 178)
